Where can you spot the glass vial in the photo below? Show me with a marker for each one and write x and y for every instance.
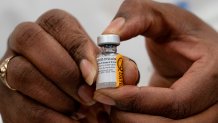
(110, 63)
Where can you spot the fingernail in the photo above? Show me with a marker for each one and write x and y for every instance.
(88, 71)
(139, 76)
(104, 99)
(115, 26)
(132, 61)
(86, 94)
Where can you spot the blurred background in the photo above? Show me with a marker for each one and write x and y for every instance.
(95, 15)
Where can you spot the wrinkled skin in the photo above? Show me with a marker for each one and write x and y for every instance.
(54, 64)
(183, 50)
(183, 87)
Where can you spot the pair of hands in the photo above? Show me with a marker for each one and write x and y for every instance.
(57, 61)
(55, 65)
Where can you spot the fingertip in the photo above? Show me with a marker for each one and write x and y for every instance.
(113, 94)
(86, 93)
(115, 26)
(104, 99)
(131, 72)
(89, 71)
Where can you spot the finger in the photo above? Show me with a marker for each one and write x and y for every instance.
(131, 77)
(183, 99)
(135, 18)
(58, 22)
(157, 80)
(127, 117)
(25, 78)
(131, 73)
(190, 94)
(152, 19)
(92, 113)
(51, 59)
(137, 99)
(67, 30)
(20, 109)
(208, 116)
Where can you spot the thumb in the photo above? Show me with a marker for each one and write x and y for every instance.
(135, 17)
(152, 19)
(125, 28)
(148, 100)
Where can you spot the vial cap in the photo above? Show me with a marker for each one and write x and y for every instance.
(108, 39)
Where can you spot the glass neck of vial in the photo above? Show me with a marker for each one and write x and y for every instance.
(108, 48)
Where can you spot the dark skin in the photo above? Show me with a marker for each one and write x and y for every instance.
(55, 65)
(183, 50)
(48, 87)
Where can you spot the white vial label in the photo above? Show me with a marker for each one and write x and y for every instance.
(110, 71)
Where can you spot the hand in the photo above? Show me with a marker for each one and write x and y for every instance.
(183, 50)
(208, 116)
(45, 71)
(54, 65)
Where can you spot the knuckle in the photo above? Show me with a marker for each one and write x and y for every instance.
(140, 6)
(29, 111)
(19, 71)
(123, 11)
(24, 34)
(54, 20)
(72, 74)
(181, 108)
(57, 23)
(132, 102)
(135, 101)
(76, 46)
(40, 115)
(80, 46)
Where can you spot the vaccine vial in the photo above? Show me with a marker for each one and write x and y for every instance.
(110, 63)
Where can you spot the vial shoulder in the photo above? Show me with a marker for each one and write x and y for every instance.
(107, 55)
